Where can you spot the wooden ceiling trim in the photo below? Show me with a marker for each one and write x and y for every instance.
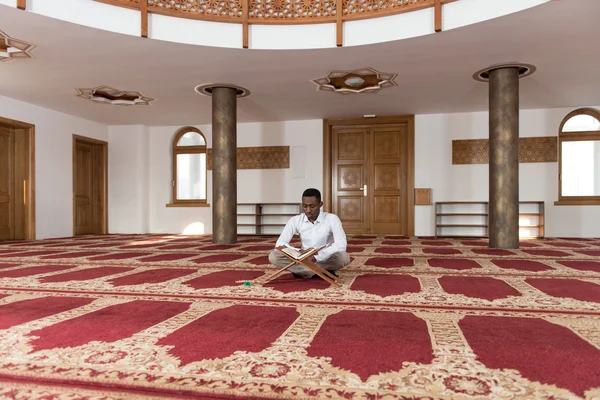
(339, 27)
(278, 12)
(245, 27)
(133, 4)
(144, 16)
(281, 11)
(437, 15)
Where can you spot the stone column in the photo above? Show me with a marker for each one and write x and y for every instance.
(224, 165)
(504, 158)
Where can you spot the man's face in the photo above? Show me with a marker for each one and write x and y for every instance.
(311, 207)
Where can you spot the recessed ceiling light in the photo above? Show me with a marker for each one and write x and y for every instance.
(115, 93)
(354, 81)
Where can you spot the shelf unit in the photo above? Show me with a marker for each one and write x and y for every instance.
(264, 218)
(461, 219)
(471, 219)
(531, 219)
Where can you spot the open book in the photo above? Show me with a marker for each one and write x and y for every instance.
(298, 254)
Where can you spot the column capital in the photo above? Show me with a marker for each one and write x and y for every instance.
(206, 89)
(483, 75)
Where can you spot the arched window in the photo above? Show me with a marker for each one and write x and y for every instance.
(189, 168)
(579, 158)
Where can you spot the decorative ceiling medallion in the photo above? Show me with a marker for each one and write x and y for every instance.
(364, 80)
(206, 89)
(11, 48)
(108, 95)
(483, 75)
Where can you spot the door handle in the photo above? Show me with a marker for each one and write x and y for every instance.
(364, 189)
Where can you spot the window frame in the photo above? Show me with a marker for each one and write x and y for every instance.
(575, 137)
(175, 151)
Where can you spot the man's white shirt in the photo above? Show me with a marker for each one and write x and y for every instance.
(326, 231)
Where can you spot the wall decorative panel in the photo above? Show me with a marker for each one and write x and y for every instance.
(264, 157)
(538, 149)
(474, 151)
(135, 4)
(423, 196)
(531, 150)
(230, 10)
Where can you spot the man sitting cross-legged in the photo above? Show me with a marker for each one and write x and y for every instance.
(316, 228)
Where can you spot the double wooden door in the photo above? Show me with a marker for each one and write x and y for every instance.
(371, 178)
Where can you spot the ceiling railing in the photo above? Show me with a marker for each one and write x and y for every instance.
(248, 12)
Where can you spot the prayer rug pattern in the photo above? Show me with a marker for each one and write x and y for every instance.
(168, 316)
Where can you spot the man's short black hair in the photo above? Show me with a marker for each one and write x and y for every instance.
(312, 192)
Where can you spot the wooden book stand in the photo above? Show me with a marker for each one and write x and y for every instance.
(305, 261)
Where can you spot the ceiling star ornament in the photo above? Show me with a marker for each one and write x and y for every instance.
(11, 48)
(364, 80)
(108, 95)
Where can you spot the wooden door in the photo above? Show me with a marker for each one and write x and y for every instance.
(371, 186)
(84, 185)
(17, 180)
(89, 186)
(7, 177)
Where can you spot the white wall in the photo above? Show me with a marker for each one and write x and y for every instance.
(537, 181)
(90, 13)
(140, 170)
(132, 211)
(128, 177)
(53, 162)
(277, 185)
(466, 12)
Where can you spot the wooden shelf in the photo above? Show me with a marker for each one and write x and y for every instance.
(534, 211)
(260, 224)
(265, 215)
(471, 218)
(461, 214)
(461, 225)
(268, 204)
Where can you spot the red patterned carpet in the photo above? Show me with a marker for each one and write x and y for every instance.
(154, 316)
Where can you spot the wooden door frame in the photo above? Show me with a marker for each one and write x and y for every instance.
(103, 184)
(328, 125)
(28, 174)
